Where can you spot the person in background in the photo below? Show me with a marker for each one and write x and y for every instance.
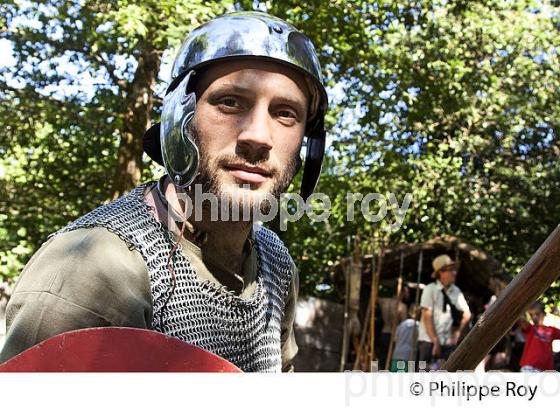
(393, 312)
(445, 312)
(404, 340)
(517, 347)
(537, 354)
(499, 358)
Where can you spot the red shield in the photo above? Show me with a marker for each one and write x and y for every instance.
(116, 349)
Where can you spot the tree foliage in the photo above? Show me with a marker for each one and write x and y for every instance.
(455, 102)
(74, 104)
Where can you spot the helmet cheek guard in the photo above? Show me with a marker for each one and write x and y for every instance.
(178, 150)
(312, 165)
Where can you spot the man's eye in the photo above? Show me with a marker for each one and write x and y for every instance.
(229, 102)
(286, 114)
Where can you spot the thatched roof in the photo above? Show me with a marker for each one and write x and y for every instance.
(474, 265)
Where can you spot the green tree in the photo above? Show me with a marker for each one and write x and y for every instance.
(455, 102)
(74, 104)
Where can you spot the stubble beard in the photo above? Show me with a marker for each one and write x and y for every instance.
(211, 171)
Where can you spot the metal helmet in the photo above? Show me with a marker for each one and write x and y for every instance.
(235, 35)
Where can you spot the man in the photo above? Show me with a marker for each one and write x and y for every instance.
(445, 312)
(245, 89)
(537, 353)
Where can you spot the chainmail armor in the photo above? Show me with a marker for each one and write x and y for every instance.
(244, 331)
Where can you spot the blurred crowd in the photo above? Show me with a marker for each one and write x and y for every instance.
(425, 335)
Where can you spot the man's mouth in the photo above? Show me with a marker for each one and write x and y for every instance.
(248, 173)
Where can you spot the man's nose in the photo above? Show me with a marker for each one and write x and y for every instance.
(255, 138)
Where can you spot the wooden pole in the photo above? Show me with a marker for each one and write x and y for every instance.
(353, 275)
(360, 351)
(362, 354)
(395, 314)
(345, 332)
(417, 303)
(536, 276)
(373, 294)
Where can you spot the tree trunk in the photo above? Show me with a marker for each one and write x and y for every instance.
(138, 108)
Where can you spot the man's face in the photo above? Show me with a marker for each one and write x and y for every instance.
(249, 125)
(447, 275)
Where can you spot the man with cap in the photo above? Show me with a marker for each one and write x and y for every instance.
(246, 88)
(445, 312)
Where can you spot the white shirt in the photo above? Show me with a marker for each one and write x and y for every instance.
(432, 298)
(404, 335)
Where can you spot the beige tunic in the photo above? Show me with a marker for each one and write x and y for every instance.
(90, 278)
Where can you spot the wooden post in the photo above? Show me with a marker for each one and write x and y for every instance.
(345, 332)
(360, 351)
(417, 302)
(536, 276)
(353, 274)
(373, 297)
(395, 314)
